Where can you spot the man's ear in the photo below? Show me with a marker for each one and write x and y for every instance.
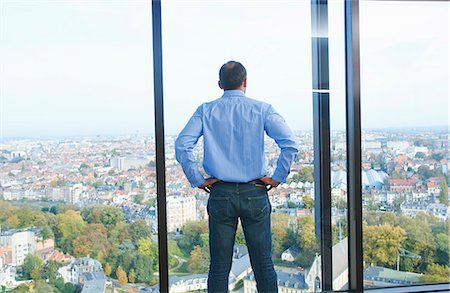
(244, 83)
(220, 84)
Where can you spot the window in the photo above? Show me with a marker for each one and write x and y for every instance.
(275, 47)
(77, 147)
(404, 109)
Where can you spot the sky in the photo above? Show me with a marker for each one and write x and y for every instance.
(85, 67)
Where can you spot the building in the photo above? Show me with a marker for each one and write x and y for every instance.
(340, 269)
(129, 162)
(290, 254)
(94, 282)
(402, 185)
(73, 272)
(383, 277)
(287, 283)
(21, 241)
(180, 210)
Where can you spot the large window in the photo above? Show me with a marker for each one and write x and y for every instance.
(273, 41)
(405, 100)
(82, 169)
(77, 155)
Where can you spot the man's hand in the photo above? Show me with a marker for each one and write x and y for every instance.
(269, 181)
(207, 184)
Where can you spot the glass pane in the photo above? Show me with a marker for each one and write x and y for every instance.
(404, 94)
(77, 176)
(273, 42)
(338, 144)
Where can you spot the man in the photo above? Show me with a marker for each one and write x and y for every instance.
(233, 128)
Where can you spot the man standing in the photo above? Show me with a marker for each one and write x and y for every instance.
(233, 128)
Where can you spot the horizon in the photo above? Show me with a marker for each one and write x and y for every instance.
(439, 129)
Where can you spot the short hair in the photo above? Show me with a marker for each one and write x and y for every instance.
(231, 75)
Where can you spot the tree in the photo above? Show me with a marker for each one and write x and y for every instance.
(436, 273)
(94, 242)
(131, 276)
(33, 267)
(139, 229)
(13, 221)
(107, 269)
(305, 174)
(51, 271)
(143, 268)
(443, 248)
(121, 276)
(443, 194)
(145, 246)
(279, 233)
(70, 226)
(381, 243)
(42, 287)
(308, 202)
(419, 240)
(192, 232)
(64, 287)
(198, 261)
(420, 155)
(307, 237)
(100, 214)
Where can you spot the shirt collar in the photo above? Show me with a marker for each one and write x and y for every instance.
(233, 93)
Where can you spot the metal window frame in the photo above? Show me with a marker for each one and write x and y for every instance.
(321, 116)
(353, 129)
(160, 150)
(321, 126)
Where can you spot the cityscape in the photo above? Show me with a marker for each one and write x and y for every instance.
(79, 215)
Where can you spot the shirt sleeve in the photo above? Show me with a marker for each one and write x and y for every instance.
(184, 146)
(276, 128)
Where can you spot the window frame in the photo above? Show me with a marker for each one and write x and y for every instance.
(321, 117)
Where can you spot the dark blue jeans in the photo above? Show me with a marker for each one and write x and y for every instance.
(249, 202)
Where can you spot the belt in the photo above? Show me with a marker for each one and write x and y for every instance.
(256, 181)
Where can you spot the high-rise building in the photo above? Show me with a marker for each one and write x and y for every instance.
(180, 209)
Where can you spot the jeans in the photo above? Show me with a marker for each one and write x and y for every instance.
(249, 202)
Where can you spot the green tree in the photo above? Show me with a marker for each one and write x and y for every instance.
(419, 240)
(192, 232)
(443, 248)
(64, 287)
(145, 246)
(305, 174)
(143, 268)
(33, 267)
(51, 271)
(436, 273)
(443, 194)
(381, 244)
(100, 214)
(139, 229)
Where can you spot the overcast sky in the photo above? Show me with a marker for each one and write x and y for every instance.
(85, 67)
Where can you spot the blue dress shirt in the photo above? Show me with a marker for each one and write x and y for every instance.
(233, 129)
